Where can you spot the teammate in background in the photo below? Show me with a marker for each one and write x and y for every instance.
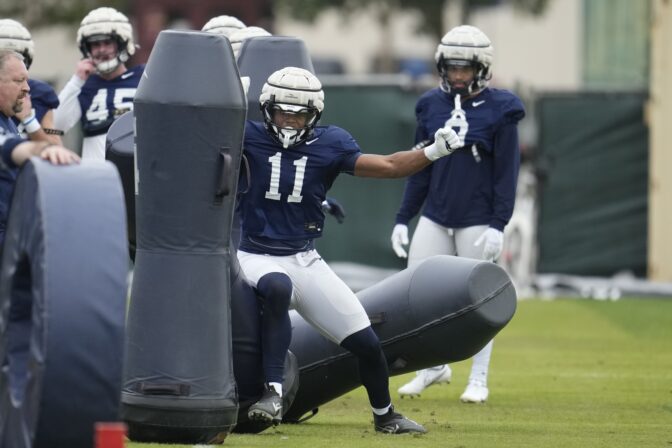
(102, 87)
(234, 30)
(14, 149)
(224, 25)
(468, 198)
(237, 37)
(36, 119)
(293, 163)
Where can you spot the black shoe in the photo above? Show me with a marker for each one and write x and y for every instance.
(268, 408)
(395, 423)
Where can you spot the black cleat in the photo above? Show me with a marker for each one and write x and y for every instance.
(268, 408)
(395, 423)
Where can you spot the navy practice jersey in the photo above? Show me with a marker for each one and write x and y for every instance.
(43, 98)
(103, 101)
(9, 139)
(281, 208)
(476, 185)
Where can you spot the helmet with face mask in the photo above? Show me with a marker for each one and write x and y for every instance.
(15, 37)
(465, 45)
(224, 25)
(105, 24)
(292, 90)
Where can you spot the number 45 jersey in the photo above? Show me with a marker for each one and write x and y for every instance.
(103, 101)
(280, 206)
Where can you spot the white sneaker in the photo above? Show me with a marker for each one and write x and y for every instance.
(476, 392)
(425, 378)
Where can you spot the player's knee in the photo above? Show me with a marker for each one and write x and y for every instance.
(363, 343)
(276, 291)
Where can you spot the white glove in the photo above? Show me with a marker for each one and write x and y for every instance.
(446, 141)
(245, 82)
(399, 239)
(492, 241)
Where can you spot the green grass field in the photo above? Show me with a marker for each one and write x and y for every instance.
(564, 373)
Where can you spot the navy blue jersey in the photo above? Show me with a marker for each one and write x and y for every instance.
(476, 185)
(103, 101)
(281, 208)
(9, 139)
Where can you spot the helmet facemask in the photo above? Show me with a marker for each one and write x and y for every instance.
(306, 118)
(297, 94)
(109, 65)
(478, 82)
(106, 24)
(465, 45)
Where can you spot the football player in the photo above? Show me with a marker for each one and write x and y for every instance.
(293, 163)
(466, 199)
(102, 87)
(224, 25)
(237, 37)
(36, 119)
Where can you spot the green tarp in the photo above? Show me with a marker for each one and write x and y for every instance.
(593, 162)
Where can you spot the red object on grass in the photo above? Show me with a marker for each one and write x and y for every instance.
(110, 434)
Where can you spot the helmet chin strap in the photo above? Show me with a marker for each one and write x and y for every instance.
(285, 140)
(108, 66)
(288, 137)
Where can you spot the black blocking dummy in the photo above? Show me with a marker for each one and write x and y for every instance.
(63, 286)
(261, 56)
(444, 309)
(189, 112)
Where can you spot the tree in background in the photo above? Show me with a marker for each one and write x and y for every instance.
(431, 11)
(37, 13)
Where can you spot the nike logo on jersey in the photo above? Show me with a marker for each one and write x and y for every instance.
(126, 75)
(477, 103)
(310, 142)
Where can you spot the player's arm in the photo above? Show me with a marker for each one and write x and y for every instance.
(405, 163)
(505, 175)
(399, 164)
(415, 193)
(68, 112)
(53, 135)
(56, 154)
(30, 124)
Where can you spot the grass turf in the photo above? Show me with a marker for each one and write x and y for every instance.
(564, 373)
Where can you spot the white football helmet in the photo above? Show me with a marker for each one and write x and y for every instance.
(296, 91)
(104, 23)
(464, 45)
(237, 37)
(224, 25)
(16, 37)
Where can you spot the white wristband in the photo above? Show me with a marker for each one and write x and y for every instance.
(30, 123)
(432, 152)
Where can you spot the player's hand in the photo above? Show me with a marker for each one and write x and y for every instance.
(493, 242)
(59, 155)
(446, 138)
(446, 141)
(84, 68)
(334, 208)
(26, 108)
(400, 239)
